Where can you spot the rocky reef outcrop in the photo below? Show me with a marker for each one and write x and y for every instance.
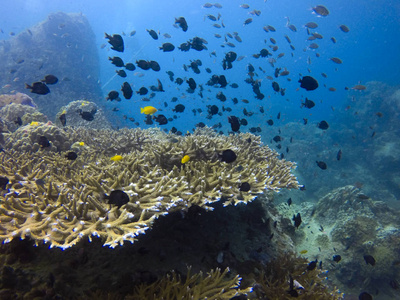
(62, 45)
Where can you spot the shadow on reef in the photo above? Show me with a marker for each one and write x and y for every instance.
(240, 238)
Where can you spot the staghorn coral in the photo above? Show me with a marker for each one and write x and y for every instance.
(216, 286)
(58, 201)
(273, 281)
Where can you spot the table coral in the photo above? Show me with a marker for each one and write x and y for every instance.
(55, 200)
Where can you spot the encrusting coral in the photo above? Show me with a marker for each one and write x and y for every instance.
(60, 201)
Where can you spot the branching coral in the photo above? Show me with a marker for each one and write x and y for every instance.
(273, 282)
(215, 285)
(55, 200)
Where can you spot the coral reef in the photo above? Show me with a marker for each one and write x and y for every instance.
(274, 278)
(18, 98)
(348, 223)
(26, 138)
(215, 285)
(16, 115)
(55, 200)
(82, 113)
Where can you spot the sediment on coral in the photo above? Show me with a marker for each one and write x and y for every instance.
(59, 201)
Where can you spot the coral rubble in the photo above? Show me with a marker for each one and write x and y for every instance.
(55, 200)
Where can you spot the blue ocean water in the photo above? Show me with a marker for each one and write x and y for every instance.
(369, 52)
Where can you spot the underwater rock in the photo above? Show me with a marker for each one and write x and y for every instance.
(82, 113)
(18, 98)
(63, 45)
(16, 115)
(26, 138)
(348, 223)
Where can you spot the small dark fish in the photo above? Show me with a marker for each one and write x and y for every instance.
(179, 80)
(117, 61)
(275, 86)
(88, 115)
(118, 198)
(63, 119)
(161, 119)
(244, 187)
(71, 155)
(305, 121)
(322, 165)
(247, 21)
(116, 42)
(292, 28)
(39, 88)
(228, 156)
(126, 90)
(365, 296)
(113, 95)
(121, 73)
(289, 201)
(362, 197)
(44, 142)
(323, 125)
(133, 32)
(279, 115)
(152, 33)
(277, 139)
(308, 103)
(337, 258)
(235, 124)
(297, 220)
(179, 108)
(312, 265)
(3, 182)
(50, 79)
(308, 83)
(130, 67)
(167, 47)
(181, 21)
(154, 65)
(369, 259)
(339, 155)
(192, 83)
(142, 91)
(336, 60)
(344, 28)
(311, 25)
(270, 122)
(18, 121)
(144, 65)
(321, 10)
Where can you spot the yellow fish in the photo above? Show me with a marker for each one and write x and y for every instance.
(116, 157)
(33, 123)
(185, 159)
(148, 110)
(81, 144)
(303, 251)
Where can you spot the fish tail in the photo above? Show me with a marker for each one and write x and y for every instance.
(141, 110)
